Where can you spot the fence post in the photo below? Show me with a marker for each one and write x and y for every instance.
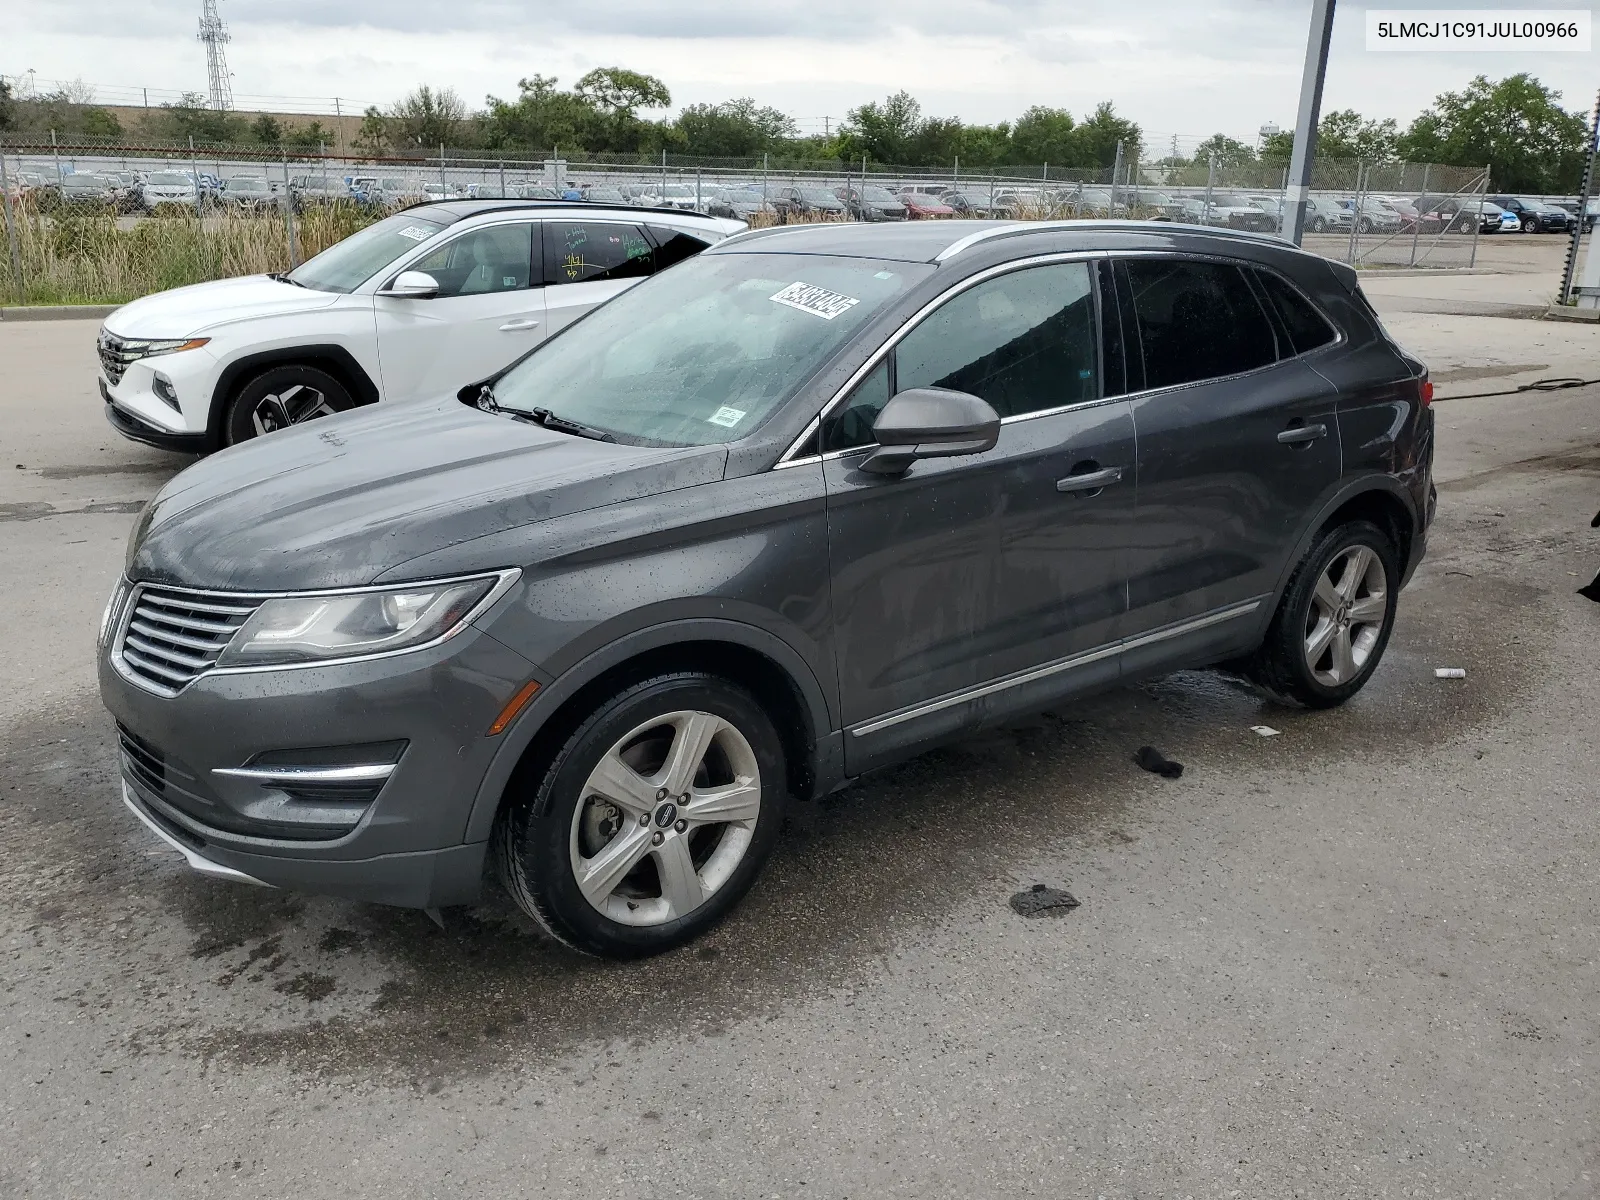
(1116, 169)
(1211, 175)
(502, 179)
(11, 229)
(288, 216)
(1416, 226)
(955, 179)
(765, 163)
(444, 187)
(1355, 220)
(194, 173)
(1583, 207)
(697, 205)
(1477, 224)
(663, 175)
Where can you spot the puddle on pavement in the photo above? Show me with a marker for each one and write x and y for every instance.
(352, 991)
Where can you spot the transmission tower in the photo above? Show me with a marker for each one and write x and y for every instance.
(215, 35)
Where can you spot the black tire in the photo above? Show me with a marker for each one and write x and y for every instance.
(296, 387)
(1318, 224)
(1280, 664)
(539, 825)
(1366, 225)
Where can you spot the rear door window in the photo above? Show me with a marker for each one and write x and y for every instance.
(592, 251)
(674, 245)
(1307, 328)
(1197, 320)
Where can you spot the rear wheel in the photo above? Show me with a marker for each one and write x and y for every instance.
(280, 397)
(1334, 620)
(651, 821)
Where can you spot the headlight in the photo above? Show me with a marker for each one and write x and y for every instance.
(113, 604)
(290, 630)
(133, 349)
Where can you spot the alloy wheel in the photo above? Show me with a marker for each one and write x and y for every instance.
(1346, 616)
(665, 817)
(295, 405)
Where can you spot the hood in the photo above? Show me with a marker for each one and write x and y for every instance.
(184, 311)
(341, 501)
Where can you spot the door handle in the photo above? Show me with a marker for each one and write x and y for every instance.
(1092, 481)
(1302, 433)
(519, 323)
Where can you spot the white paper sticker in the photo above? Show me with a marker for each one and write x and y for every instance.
(726, 417)
(819, 302)
(417, 233)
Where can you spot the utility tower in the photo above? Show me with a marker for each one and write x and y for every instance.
(215, 35)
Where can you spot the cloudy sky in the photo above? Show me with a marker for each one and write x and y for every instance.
(1179, 67)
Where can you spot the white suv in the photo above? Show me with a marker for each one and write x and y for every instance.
(418, 305)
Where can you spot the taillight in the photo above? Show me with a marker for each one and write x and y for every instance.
(1425, 391)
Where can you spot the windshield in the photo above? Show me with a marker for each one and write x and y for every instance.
(705, 352)
(247, 185)
(817, 195)
(171, 179)
(878, 195)
(345, 266)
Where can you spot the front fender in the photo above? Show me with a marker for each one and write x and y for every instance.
(554, 693)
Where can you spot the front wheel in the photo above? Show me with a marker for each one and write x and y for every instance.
(281, 397)
(1318, 225)
(1334, 620)
(652, 820)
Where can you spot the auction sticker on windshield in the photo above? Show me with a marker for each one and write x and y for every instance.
(416, 233)
(817, 301)
(726, 417)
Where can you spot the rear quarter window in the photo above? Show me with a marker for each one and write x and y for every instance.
(1307, 328)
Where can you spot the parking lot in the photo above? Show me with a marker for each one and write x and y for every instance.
(1354, 959)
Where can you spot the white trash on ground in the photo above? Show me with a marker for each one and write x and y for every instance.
(1449, 672)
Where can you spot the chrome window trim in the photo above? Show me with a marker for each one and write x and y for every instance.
(1029, 675)
(909, 324)
(507, 578)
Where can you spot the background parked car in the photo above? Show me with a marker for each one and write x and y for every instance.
(1571, 208)
(1094, 202)
(967, 204)
(164, 191)
(603, 193)
(81, 190)
(249, 195)
(1456, 215)
(741, 204)
(1536, 216)
(872, 203)
(1327, 216)
(807, 201)
(1374, 215)
(924, 205)
(308, 191)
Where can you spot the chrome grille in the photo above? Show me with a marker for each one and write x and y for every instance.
(115, 355)
(171, 637)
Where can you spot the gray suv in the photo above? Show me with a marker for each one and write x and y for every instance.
(799, 507)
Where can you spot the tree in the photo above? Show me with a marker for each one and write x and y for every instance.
(1515, 126)
(1278, 147)
(428, 118)
(189, 118)
(1096, 138)
(100, 122)
(1345, 134)
(543, 117)
(1228, 152)
(373, 136)
(266, 130)
(8, 108)
(883, 132)
(309, 137)
(733, 129)
(1044, 135)
(621, 92)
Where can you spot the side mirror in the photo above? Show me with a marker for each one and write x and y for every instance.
(930, 423)
(412, 285)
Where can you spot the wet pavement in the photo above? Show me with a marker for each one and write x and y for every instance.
(1355, 959)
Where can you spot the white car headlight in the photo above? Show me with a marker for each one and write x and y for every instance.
(292, 630)
(133, 349)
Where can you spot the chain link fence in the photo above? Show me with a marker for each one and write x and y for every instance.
(100, 222)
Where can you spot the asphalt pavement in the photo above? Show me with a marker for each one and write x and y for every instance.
(1355, 959)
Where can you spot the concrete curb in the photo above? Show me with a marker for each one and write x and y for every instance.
(59, 312)
(1421, 272)
(1578, 316)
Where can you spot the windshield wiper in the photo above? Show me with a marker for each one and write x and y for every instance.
(562, 425)
(539, 416)
(283, 277)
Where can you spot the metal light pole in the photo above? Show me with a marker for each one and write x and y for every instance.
(1305, 124)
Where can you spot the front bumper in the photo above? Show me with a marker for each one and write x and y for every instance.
(137, 429)
(407, 847)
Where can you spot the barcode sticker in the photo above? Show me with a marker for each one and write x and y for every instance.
(819, 302)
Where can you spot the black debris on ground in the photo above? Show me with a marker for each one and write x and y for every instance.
(1041, 901)
(1594, 524)
(1591, 590)
(1157, 763)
